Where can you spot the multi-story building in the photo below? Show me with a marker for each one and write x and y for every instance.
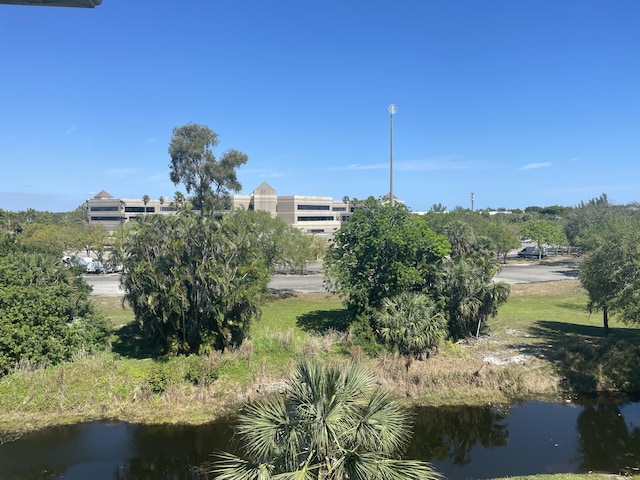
(103, 209)
(321, 216)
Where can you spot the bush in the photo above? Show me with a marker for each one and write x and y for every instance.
(361, 334)
(45, 314)
(159, 379)
(411, 323)
(200, 370)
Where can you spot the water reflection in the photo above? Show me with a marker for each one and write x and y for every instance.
(608, 437)
(450, 433)
(114, 451)
(463, 442)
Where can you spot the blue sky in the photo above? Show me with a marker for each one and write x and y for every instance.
(529, 102)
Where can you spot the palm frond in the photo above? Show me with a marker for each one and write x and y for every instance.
(231, 467)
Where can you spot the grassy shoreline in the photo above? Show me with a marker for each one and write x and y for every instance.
(532, 352)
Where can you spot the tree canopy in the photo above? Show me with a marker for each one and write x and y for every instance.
(381, 252)
(610, 271)
(194, 164)
(194, 283)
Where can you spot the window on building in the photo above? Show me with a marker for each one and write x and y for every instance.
(314, 207)
(97, 218)
(339, 209)
(314, 230)
(113, 208)
(134, 209)
(318, 218)
(168, 209)
(151, 209)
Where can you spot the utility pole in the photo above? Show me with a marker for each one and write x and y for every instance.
(392, 110)
(472, 194)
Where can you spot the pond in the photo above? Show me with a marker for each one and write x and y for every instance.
(462, 442)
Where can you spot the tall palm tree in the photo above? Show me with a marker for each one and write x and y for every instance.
(332, 423)
(145, 200)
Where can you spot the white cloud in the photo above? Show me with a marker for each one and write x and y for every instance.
(531, 166)
(432, 165)
(359, 166)
(428, 165)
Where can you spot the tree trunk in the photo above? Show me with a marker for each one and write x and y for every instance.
(605, 319)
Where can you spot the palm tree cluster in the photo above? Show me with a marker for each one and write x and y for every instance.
(194, 283)
(331, 423)
(470, 295)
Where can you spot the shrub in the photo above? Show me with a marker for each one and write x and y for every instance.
(200, 370)
(45, 314)
(411, 323)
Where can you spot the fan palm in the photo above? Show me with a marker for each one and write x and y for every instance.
(470, 295)
(332, 423)
(411, 323)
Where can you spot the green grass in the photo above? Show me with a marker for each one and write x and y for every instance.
(315, 312)
(114, 310)
(551, 321)
(546, 322)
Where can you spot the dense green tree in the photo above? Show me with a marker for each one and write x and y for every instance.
(462, 238)
(411, 323)
(555, 211)
(610, 271)
(45, 314)
(285, 247)
(381, 252)
(587, 216)
(502, 237)
(195, 166)
(66, 238)
(194, 283)
(331, 424)
(469, 294)
(543, 232)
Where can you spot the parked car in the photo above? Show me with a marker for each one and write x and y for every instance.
(94, 266)
(112, 268)
(87, 263)
(532, 252)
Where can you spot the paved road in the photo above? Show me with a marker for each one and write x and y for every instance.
(531, 271)
(109, 285)
(524, 271)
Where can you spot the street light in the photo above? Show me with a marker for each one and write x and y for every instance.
(392, 111)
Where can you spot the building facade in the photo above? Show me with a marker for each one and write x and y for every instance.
(315, 215)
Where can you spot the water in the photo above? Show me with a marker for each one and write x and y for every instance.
(462, 442)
